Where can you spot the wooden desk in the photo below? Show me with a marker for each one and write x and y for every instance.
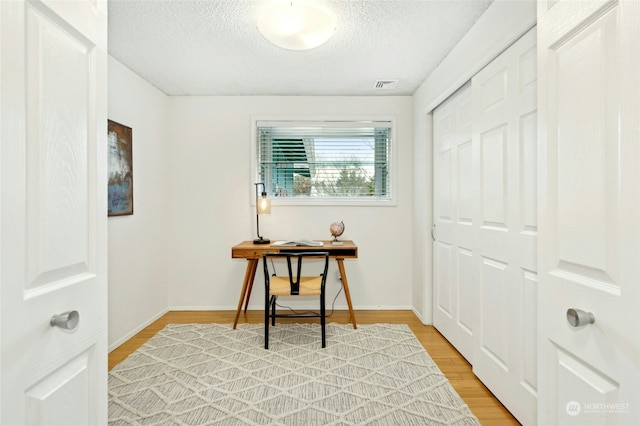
(253, 253)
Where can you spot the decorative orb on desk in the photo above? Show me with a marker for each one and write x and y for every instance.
(336, 229)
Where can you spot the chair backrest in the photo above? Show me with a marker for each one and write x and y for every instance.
(295, 275)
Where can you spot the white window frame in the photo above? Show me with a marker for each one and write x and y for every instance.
(326, 201)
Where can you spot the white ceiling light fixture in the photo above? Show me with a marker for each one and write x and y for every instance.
(296, 25)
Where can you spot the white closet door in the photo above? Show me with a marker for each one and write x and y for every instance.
(589, 67)
(53, 127)
(505, 227)
(453, 211)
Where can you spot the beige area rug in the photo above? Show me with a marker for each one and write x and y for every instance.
(210, 374)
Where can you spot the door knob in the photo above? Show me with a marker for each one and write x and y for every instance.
(579, 318)
(67, 320)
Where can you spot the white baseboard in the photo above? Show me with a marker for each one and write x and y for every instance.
(297, 306)
(202, 308)
(138, 329)
(416, 313)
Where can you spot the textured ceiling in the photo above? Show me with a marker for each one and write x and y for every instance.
(212, 47)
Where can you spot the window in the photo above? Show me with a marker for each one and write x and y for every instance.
(325, 160)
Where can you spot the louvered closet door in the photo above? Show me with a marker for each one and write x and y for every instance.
(505, 227)
(453, 212)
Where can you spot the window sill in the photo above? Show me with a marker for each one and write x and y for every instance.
(338, 201)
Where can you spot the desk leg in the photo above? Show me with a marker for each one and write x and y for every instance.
(253, 276)
(345, 285)
(246, 285)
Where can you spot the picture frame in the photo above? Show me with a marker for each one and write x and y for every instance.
(120, 169)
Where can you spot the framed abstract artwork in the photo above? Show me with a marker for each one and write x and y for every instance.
(120, 167)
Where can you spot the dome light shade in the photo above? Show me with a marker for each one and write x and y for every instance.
(296, 25)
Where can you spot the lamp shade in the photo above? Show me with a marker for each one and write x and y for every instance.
(263, 205)
(296, 25)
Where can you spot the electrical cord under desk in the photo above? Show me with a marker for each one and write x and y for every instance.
(313, 312)
(273, 266)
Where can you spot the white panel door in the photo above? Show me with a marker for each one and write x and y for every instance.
(453, 198)
(53, 212)
(505, 227)
(589, 210)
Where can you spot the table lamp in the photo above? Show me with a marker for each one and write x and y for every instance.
(263, 206)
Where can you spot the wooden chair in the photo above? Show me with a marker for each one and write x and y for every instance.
(293, 284)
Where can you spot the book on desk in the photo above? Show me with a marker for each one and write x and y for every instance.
(298, 243)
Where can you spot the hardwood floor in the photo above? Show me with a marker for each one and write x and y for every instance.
(483, 404)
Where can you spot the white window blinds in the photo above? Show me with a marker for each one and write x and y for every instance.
(325, 159)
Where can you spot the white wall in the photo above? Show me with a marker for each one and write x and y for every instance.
(209, 204)
(138, 243)
(175, 251)
(501, 25)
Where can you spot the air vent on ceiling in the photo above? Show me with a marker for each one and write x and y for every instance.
(386, 84)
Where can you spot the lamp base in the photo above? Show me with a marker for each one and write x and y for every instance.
(261, 241)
